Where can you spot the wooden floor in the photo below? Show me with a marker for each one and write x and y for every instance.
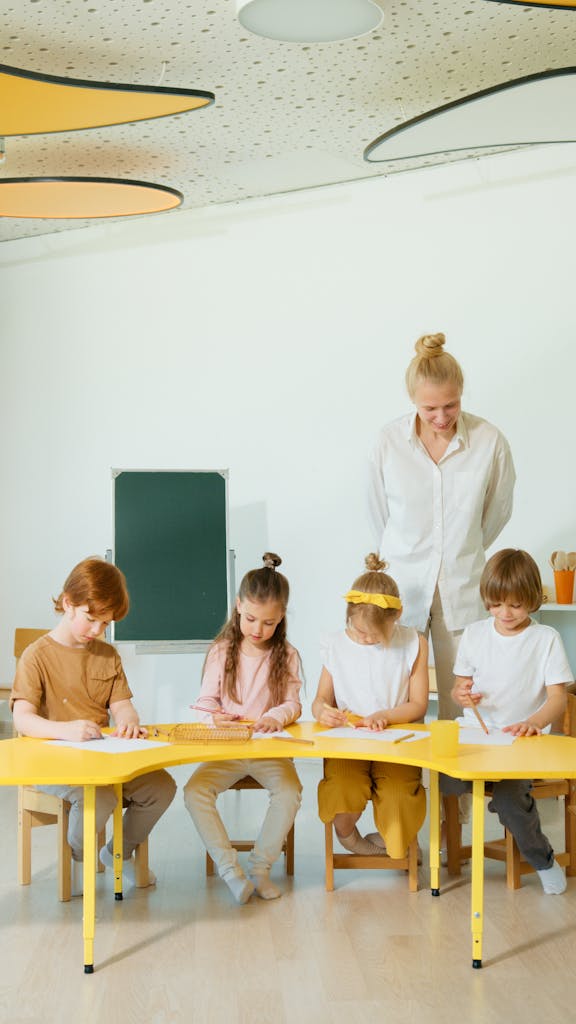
(366, 953)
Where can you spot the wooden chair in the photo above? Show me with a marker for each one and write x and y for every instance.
(36, 808)
(243, 845)
(357, 861)
(408, 863)
(505, 849)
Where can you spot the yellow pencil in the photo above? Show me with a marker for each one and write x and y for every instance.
(401, 739)
(478, 716)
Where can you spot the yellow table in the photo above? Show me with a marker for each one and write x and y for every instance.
(38, 762)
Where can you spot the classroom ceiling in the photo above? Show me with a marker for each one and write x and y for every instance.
(286, 116)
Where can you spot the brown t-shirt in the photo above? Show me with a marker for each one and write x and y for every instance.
(68, 683)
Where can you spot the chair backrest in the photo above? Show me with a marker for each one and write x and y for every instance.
(24, 637)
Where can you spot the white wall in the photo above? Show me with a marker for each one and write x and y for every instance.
(272, 338)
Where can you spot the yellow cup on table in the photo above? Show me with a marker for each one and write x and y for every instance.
(444, 738)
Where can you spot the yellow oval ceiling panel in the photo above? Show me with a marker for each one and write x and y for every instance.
(31, 103)
(81, 198)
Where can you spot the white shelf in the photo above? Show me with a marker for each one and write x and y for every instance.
(550, 606)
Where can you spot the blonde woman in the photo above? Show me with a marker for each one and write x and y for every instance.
(442, 482)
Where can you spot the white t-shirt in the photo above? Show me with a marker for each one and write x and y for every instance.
(370, 677)
(433, 521)
(511, 672)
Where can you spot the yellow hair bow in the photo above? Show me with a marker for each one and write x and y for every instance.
(381, 600)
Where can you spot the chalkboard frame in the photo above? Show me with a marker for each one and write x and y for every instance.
(183, 483)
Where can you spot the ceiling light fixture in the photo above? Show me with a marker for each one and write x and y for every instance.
(309, 21)
(32, 103)
(83, 198)
(554, 5)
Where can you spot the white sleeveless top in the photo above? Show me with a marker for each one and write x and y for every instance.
(370, 677)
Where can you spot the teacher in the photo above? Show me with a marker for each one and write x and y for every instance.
(442, 482)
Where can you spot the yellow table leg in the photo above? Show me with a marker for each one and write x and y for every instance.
(89, 897)
(434, 834)
(118, 845)
(477, 871)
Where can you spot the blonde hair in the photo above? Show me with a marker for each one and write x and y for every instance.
(432, 365)
(99, 585)
(375, 581)
(511, 575)
(259, 585)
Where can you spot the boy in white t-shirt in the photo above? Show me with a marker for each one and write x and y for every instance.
(518, 670)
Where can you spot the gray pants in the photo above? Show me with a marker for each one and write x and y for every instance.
(516, 810)
(145, 798)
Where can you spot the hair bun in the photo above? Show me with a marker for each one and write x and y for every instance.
(374, 563)
(271, 561)
(430, 345)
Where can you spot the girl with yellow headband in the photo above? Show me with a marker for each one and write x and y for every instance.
(375, 673)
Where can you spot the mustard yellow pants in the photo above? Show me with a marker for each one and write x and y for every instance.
(396, 791)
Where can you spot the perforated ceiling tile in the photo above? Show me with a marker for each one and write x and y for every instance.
(307, 111)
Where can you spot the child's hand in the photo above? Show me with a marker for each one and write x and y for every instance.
(267, 724)
(81, 730)
(222, 717)
(130, 731)
(373, 722)
(332, 717)
(523, 729)
(462, 694)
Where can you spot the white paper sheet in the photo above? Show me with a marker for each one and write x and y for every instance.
(495, 738)
(110, 745)
(345, 732)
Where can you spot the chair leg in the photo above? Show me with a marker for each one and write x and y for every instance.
(209, 865)
(100, 842)
(453, 834)
(513, 873)
(24, 843)
(64, 853)
(413, 866)
(289, 846)
(570, 828)
(329, 856)
(141, 874)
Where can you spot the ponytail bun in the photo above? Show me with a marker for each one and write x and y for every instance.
(271, 561)
(429, 346)
(374, 563)
(433, 365)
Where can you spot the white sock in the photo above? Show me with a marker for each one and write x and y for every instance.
(553, 880)
(264, 886)
(128, 867)
(240, 887)
(376, 838)
(354, 843)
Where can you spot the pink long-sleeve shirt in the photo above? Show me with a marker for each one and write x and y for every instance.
(251, 687)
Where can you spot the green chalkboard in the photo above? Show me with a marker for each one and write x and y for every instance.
(170, 540)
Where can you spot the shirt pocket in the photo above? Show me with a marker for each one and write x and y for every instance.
(99, 686)
(465, 487)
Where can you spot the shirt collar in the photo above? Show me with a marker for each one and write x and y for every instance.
(460, 438)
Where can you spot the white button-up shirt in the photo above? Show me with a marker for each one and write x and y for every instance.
(435, 521)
